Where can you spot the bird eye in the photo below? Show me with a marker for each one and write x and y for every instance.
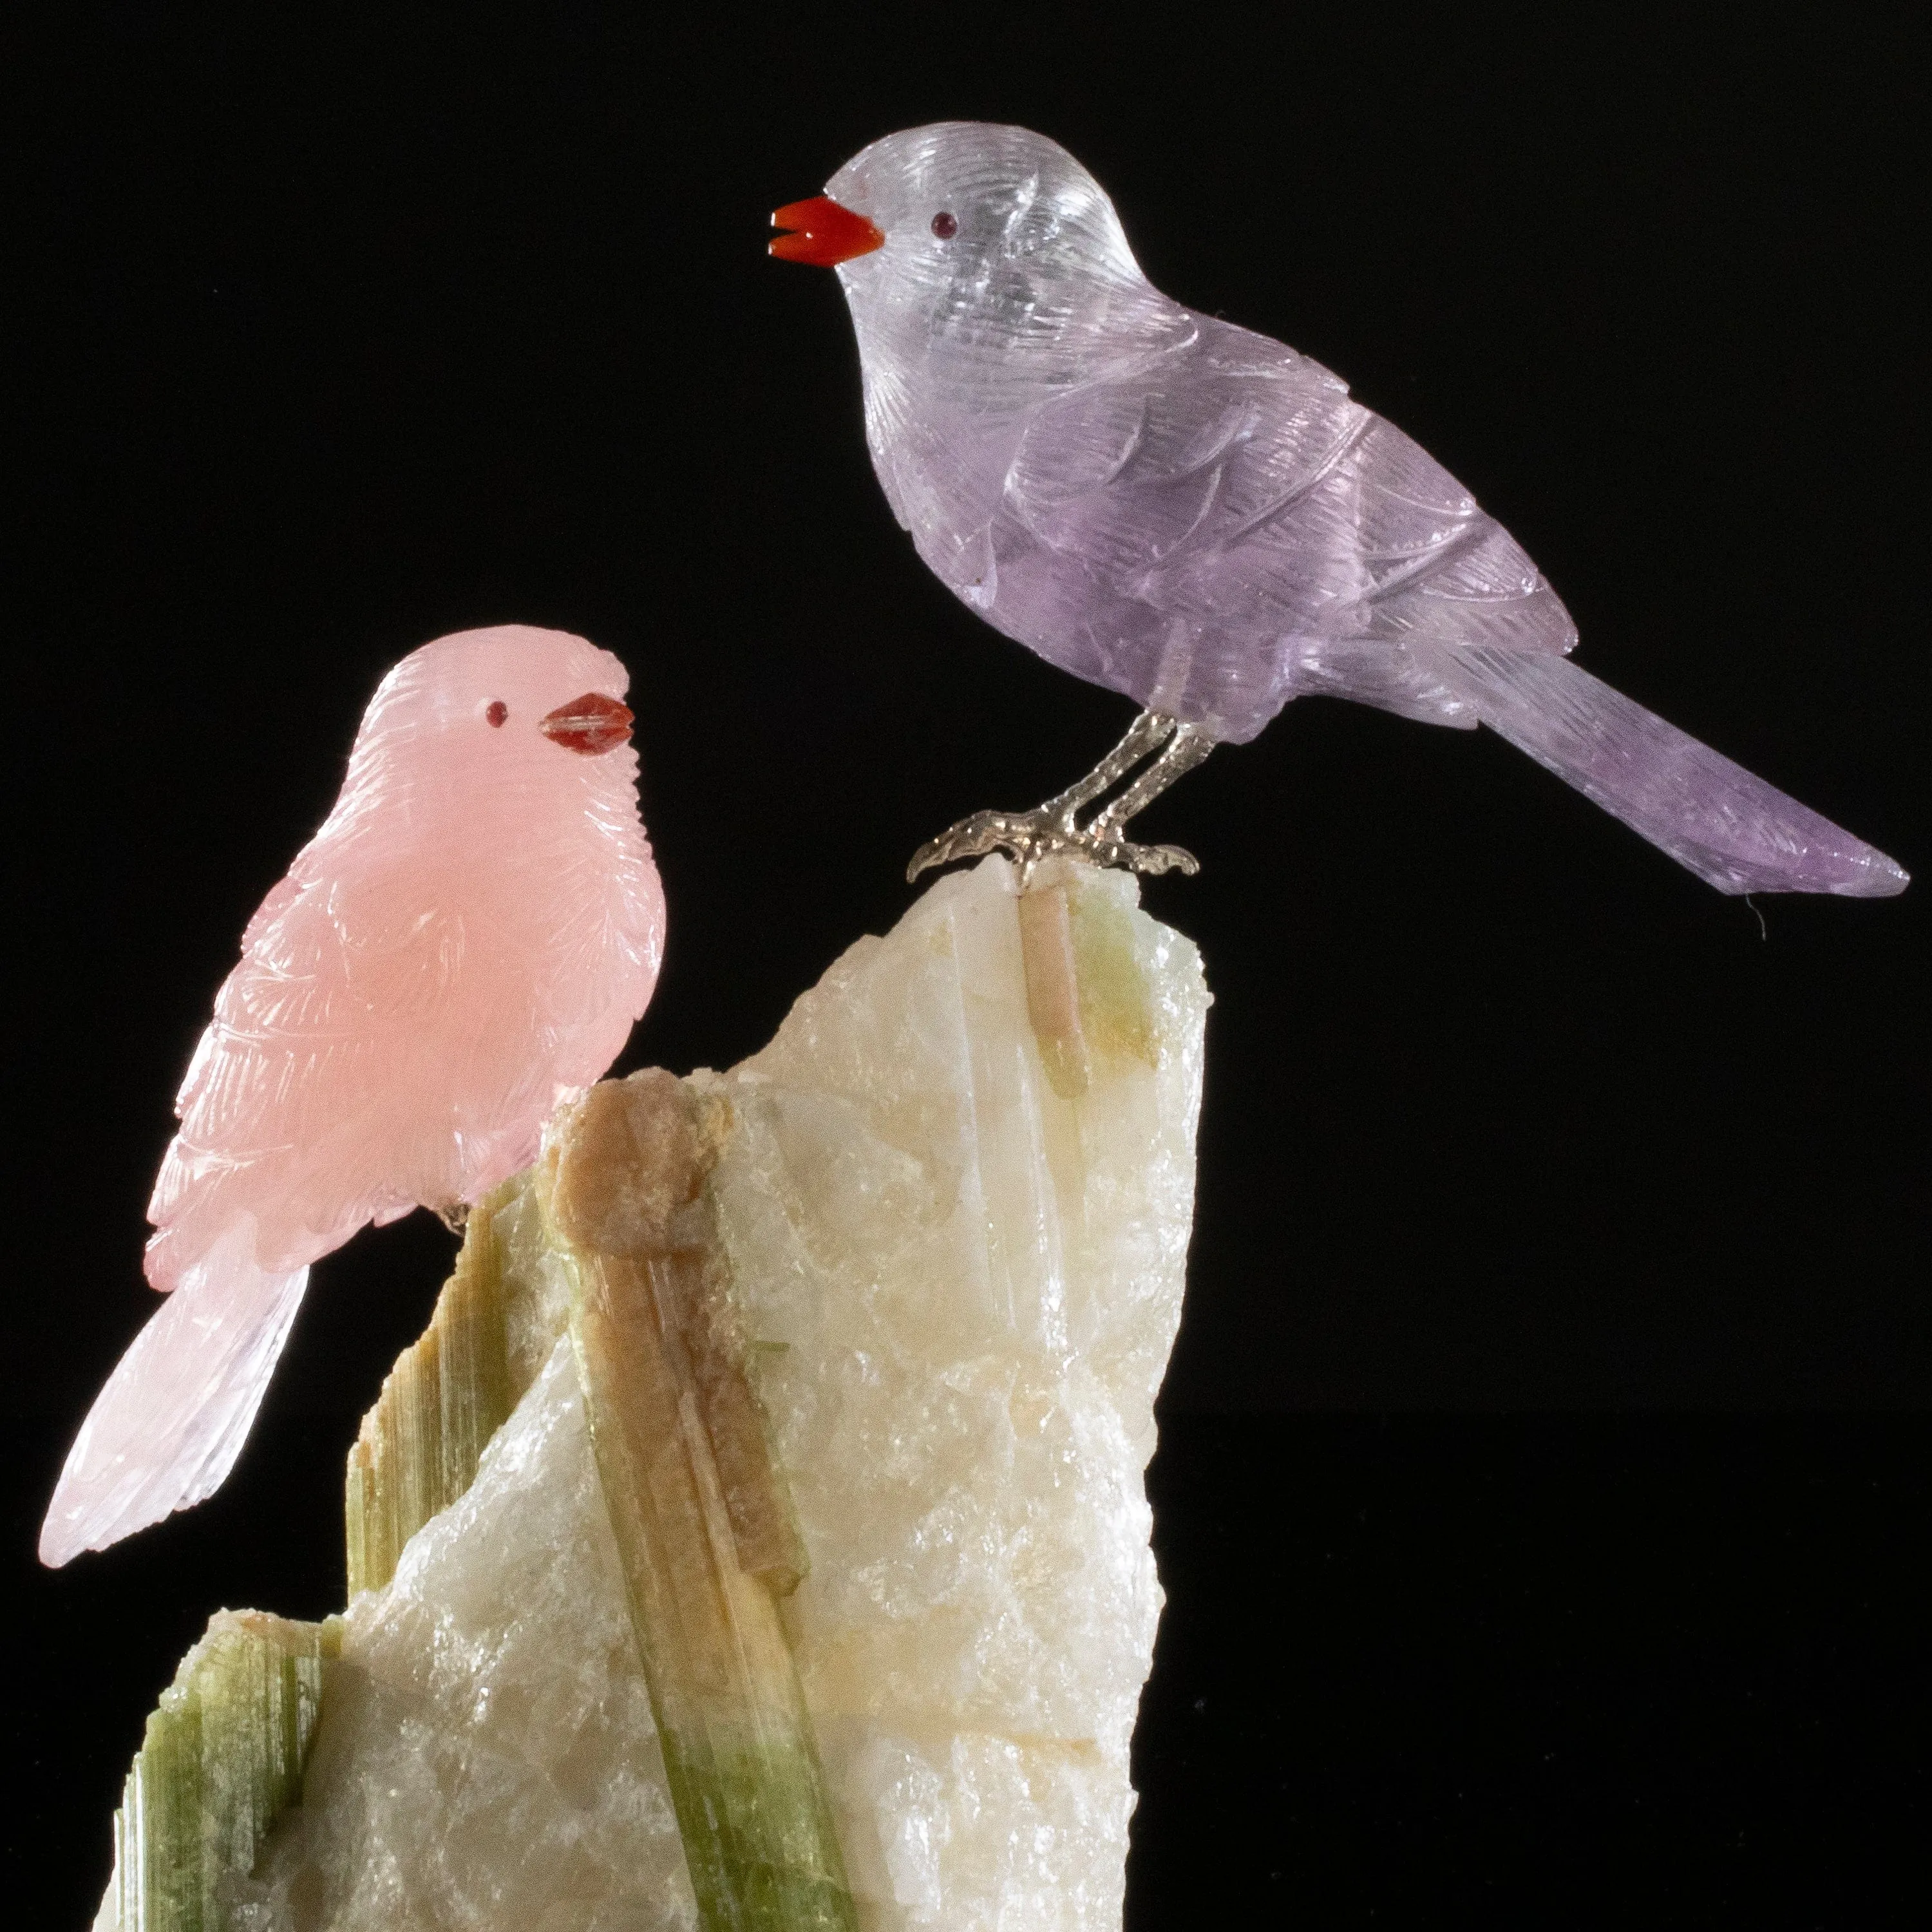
(944, 225)
(497, 713)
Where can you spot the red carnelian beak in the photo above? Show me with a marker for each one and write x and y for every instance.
(591, 723)
(827, 233)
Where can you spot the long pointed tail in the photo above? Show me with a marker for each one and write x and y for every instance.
(1733, 830)
(166, 1429)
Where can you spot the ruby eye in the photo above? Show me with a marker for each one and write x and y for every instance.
(497, 714)
(944, 225)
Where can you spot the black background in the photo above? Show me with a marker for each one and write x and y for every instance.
(1546, 1462)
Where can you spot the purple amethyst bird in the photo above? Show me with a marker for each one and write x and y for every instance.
(1180, 509)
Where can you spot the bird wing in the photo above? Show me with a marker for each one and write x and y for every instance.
(1142, 478)
(277, 1107)
(368, 1053)
(166, 1429)
(334, 969)
(1237, 489)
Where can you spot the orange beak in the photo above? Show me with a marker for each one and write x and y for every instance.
(592, 724)
(827, 234)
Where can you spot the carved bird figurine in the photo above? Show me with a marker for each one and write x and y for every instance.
(467, 939)
(1180, 509)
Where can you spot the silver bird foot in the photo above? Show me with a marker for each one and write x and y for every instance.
(1028, 837)
(1054, 828)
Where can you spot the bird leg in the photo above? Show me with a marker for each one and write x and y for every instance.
(1053, 827)
(1182, 752)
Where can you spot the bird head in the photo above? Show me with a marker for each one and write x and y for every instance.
(987, 250)
(486, 710)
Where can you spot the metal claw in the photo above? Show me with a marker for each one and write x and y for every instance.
(1053, 828)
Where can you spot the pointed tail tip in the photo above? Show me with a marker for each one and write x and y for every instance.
(75, 1525)
(71, 1529)
(64, 1534)
(1871, 876)
(1889, 878)
(1868, 875)
(1838, 867)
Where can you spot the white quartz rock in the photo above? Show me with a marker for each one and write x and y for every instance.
(963, 1288)
(486, 1758)
(975, 1284)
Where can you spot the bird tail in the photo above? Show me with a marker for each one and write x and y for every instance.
(165, 1431)
(1733, 830)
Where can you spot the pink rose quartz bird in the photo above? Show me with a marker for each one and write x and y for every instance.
(1182, 510)
(466, 940)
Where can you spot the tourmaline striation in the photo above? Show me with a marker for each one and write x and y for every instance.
(220, 1759)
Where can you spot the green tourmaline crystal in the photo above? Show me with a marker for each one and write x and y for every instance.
(222, 1757)
(453, 1389)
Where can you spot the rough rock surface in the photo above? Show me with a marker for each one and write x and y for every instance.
(486, 1757)
(956, 1193)
(968, 1287)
